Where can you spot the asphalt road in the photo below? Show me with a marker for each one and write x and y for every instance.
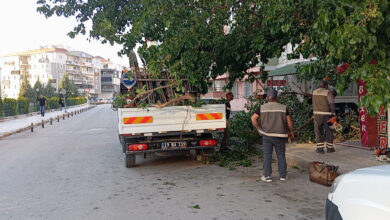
(75, 170)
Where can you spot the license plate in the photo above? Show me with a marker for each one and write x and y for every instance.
(172, 145)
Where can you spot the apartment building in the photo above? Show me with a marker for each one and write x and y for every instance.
(10, 76)
(46, 64)
(84, 70)
(110, 78)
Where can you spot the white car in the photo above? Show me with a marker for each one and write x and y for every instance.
(360, 194)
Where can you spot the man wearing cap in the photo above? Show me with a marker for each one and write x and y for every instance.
(323, 110)
(274, 119)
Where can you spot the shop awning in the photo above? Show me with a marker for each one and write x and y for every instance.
(285, 70)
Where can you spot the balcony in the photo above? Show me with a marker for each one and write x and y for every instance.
(86, 64)
(69, 62)
(45, 60)
(73, 72)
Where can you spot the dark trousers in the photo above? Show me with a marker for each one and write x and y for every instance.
(321, 126)
(280, 148)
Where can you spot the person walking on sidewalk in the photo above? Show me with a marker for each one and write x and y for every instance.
(323, 110)
(274, 119)
(42, 105)
(61, 103)
(229, 97)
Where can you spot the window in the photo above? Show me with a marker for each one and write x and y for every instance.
(235, 90)
(248, 89)
(219, 84)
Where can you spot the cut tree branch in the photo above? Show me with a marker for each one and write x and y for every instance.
(178, 99)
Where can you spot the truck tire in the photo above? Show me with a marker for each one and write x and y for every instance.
(130, 160)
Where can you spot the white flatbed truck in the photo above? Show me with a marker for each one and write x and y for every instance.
(172, 128)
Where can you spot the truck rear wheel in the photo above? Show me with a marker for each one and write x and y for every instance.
(130, 160)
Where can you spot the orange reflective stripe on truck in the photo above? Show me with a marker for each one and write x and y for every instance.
(209, 116)
(138, 120)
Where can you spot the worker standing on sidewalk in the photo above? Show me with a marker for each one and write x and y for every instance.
(323, 110)
(274, 119)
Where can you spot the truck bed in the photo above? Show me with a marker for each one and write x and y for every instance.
(137, 121)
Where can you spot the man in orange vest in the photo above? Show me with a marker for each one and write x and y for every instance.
(323, 111)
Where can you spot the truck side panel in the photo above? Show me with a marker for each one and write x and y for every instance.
(171, 118)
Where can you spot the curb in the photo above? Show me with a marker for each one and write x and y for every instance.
(20, 130)
(297, 161)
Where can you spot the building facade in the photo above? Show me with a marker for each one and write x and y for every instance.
(49, 64)
(84, 70)
(45, 64)
(10, 76)
(242, 90)
(110, 79)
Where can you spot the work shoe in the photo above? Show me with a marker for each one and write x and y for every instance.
(330, 150)
(266, 179)
(320, 150)
(283, 179)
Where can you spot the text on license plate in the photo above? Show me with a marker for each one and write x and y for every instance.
(179, 144)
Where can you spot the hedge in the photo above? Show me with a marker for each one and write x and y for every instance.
(10, 106)
(75, 101)
(22, 105)
(1, 107)
(53, 103)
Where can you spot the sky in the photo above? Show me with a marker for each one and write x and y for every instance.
(23, 28)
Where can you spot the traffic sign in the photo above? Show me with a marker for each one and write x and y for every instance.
(128, 82)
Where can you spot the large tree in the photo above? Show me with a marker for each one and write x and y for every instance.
(49, 91)
(351, 36)
(26, 90)
(69, 86)
(200, 39)
(38, 88)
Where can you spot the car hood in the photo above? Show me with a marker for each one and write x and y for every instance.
(383, 170)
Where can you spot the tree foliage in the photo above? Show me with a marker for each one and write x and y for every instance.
(27, 91)
(1, 106)
(49, 91)
(69, 86)
(38, 89)
(206, 38)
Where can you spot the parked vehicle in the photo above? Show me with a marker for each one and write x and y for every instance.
(360, 194)
(172, 128)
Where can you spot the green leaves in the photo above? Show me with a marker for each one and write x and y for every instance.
(200, 40)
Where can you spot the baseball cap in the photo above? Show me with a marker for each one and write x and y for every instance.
(272, 93)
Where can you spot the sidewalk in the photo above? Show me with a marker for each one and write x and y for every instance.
(347, 158)
(17, 125)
